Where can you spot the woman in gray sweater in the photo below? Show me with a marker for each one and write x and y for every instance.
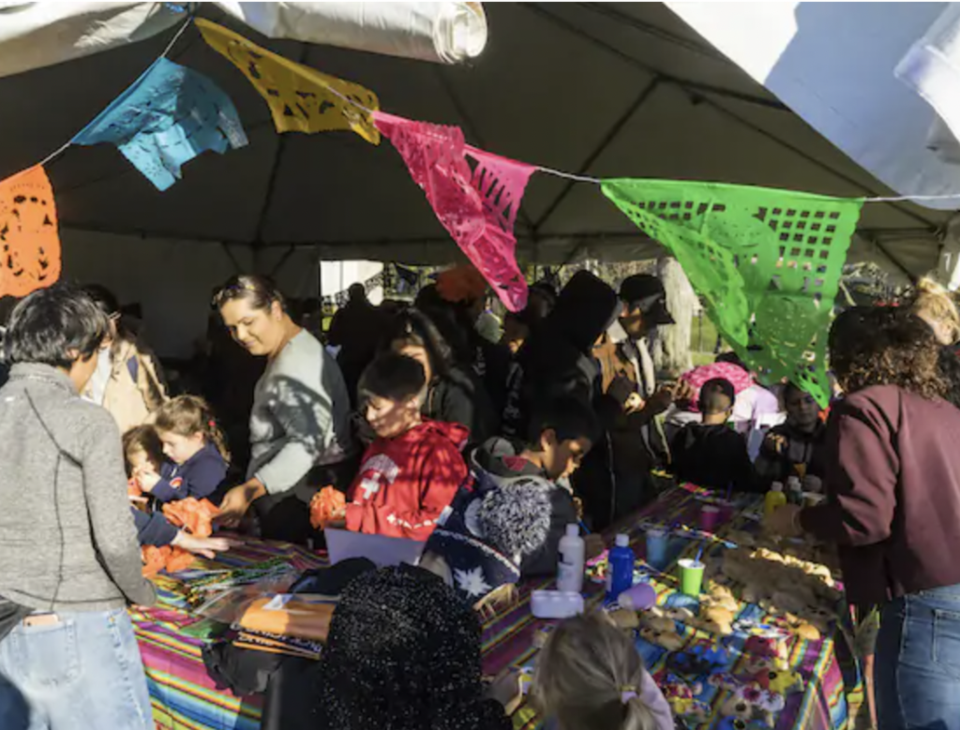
(70, 552)
(300, 435)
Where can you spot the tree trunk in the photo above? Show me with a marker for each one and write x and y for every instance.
(671, 345)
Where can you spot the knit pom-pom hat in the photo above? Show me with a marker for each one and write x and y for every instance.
(515, 519)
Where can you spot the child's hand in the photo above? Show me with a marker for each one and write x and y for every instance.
(147, 479)
(208, 547)
(506, 689)
(775, 443)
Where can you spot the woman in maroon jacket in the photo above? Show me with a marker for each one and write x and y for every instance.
(893, 481)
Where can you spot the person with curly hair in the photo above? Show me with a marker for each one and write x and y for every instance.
(893, 486)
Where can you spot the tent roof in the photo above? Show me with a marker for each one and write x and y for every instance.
(618, 90)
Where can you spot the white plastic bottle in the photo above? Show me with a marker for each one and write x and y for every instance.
(572, 554)
(794, 490)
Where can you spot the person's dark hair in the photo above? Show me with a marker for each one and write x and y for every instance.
(716, 396)
(732, 358)
(143, 438)
(392, 376)
(790, 389)
(569, 418)
(886, 346)
(260, 291)
(50, 323)
(357, 292)
(103, 298)
(108, 303)
(413, 327)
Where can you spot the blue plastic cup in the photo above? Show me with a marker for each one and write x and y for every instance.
(657, 541)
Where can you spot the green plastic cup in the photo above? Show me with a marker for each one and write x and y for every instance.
(691, 576)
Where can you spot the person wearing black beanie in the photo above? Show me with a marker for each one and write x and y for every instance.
(403, 654)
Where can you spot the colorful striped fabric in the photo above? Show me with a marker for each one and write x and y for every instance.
(184, 697)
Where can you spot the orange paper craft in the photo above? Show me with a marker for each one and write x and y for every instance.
(30, 254)
(324, 504)
(168, 558)
(194, 515)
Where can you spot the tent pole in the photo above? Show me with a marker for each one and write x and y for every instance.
(604, 143)
(233, 259)
(283, 259)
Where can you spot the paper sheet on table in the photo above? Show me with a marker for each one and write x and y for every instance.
(382, 550)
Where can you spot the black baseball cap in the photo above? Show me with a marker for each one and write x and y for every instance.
(647, 293)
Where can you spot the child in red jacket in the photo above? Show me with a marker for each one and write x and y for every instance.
(411, 473)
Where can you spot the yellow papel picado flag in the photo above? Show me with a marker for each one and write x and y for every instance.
(301, 99)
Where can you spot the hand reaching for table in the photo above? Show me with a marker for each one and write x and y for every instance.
(237, 501)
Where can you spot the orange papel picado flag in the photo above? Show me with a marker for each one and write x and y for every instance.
(29, 240)
(301, 99)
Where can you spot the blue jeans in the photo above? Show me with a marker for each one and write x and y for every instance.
(83, 673)
(917, 672)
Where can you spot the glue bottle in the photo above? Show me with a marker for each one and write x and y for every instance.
(774, 500)
(620, 572)
(572, 554)
(794, 490)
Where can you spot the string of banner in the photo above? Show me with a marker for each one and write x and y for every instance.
(766, 262)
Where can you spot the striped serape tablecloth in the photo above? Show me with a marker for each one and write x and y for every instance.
(183, 695)
(185, 698)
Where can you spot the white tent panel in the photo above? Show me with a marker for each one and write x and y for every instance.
(834, 64)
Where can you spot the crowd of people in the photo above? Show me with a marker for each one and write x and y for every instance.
(482, 445)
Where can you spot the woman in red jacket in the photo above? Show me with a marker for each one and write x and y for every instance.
(893, 484)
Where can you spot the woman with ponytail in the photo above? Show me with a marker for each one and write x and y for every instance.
(196, 452)
(590, 677)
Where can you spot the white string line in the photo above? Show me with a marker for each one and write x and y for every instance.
(947, 196)
(63, 148)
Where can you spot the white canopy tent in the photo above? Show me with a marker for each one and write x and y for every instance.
(592, 88)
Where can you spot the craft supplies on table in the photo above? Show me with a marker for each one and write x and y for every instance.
(184, 697)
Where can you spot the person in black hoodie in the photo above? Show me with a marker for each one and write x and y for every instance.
(711, 454)
(557, 360)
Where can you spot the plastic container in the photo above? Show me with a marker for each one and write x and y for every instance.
(657, 542)
(794, 490)
(638, 598)
(709, 518)
(556, 604)
(620, 575)
(572, 553)
(691, 577)
(774, 500)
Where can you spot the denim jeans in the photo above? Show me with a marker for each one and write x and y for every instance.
(83, 673)
(917, 671)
